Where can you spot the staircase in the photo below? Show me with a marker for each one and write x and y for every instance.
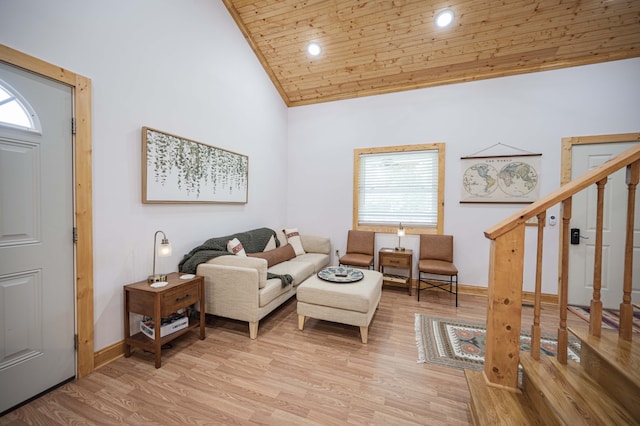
(603, 388)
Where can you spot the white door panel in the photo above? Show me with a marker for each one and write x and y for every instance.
(19, 202)
(37, 324)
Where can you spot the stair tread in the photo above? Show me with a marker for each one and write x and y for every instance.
(496, 406)
(623, 355)
(571, 394)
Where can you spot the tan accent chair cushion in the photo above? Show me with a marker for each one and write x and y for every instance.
(361, 242)
(436, 247)
(360, 249)
(436, 255)
(356, 259)
(437, 267)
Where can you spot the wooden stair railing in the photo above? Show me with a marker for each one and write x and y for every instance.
(504, 306)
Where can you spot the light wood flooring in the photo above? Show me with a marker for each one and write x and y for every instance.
(323, 375)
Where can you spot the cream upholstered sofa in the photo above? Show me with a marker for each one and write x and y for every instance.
(238, 287)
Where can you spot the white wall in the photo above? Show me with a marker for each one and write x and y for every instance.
(178, 66)
(184, 68)
(532, 112)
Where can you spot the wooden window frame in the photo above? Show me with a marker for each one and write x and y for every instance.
(439, 228)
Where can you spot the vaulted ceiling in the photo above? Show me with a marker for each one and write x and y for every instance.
(373, 47)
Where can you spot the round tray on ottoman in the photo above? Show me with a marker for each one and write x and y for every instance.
(340, 274)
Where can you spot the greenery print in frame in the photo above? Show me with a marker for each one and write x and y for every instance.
(179, 170)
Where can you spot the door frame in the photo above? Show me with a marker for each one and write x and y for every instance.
(81, 94)
(565, 171)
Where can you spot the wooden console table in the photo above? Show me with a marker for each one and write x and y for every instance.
(160, 302)
(401, 259)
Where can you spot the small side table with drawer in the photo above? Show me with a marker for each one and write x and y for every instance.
(401, 259)
(160, 302)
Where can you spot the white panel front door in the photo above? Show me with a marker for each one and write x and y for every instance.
(36, 245)
(581, 255)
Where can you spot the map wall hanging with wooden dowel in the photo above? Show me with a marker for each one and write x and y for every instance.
(512, 178)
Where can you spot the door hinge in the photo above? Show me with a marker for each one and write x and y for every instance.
(73, 126)
(75, 342)
(75, 235)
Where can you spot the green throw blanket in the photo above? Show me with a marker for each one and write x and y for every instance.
(253, 241)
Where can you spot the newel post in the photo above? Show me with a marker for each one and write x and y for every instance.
(504, 308)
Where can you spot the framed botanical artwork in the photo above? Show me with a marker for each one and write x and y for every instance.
(179, 170)
(500, 179)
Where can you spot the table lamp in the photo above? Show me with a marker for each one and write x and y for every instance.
(400, 234)
(163, 250)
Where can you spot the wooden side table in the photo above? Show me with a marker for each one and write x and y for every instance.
(143, 299)
(401, 259)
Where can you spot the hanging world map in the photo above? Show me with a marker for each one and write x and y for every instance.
(500, 179)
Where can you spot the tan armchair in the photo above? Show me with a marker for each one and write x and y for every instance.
(436, 258)
(360, 249)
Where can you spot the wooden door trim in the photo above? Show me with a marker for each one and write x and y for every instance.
(81, 92)
(565, 169)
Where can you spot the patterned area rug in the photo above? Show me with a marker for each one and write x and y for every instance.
(610, 318)
(460, 344)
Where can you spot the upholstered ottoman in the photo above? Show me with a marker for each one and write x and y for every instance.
(347, 303)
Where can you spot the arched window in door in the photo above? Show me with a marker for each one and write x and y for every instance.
(15, 111)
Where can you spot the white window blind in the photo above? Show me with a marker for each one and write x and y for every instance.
(398, 187)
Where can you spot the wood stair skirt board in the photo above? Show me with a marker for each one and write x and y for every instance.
(496, 406)
(604, 388)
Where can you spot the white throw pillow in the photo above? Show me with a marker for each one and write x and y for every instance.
(271, 244)
(235, 247)
(280, 237)
(294, 239)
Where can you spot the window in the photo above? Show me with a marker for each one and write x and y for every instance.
(400, 184)
(15, 111)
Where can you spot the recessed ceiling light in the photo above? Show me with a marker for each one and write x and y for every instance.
(314, 49)
(444, 18)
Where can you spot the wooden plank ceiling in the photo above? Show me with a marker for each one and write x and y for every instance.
(373, 47)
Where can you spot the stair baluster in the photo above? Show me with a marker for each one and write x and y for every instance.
(595, 313)
(626, 310)
(535, 328)
(563, 335)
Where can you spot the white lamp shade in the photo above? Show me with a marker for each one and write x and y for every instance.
(164, 250)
